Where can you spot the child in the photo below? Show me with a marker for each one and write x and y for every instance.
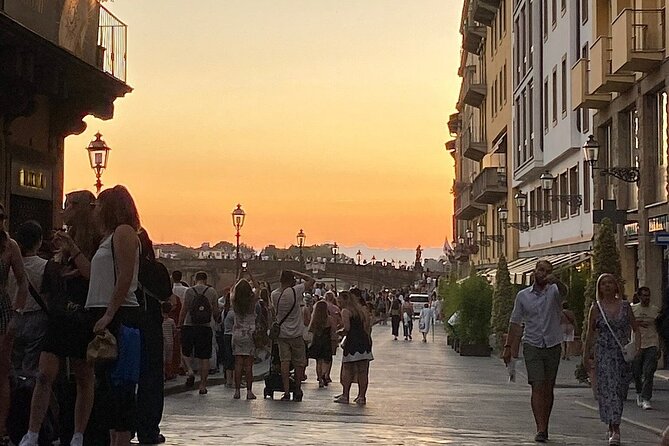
(169, 332)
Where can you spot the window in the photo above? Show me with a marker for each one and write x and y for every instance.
(523, 40)
(547, 206)
(546, 19)
(502, 10)
(546, 105)
(530, 117)
(662, 128)
(555, 100)
(524, 124)
(563, 6)
(584, 10)
(494, 97)
(540, 206)
(554, 12)
(516, 54)
(504, 82)
(586, 187)
(517, 130)
(555, 210)
(564, 190)
(530, 45)
(585, 113)
(573, 187)
(532, 208)
(564, 86)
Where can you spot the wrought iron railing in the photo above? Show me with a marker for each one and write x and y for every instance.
(112, 45)
(648, 29)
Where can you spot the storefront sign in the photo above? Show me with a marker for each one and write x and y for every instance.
(662, 238)
(631, 230)
(660, 223)
(31, 180)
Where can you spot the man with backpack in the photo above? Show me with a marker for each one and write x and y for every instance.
(196, 319)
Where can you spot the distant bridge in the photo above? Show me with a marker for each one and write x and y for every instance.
(221, 272)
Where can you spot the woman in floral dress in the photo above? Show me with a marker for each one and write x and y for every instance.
(613, 373)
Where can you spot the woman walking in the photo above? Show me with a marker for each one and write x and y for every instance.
(425, 321)
(68, 334)
(610, 322)
(323, 328)
(395, 316)
(568, 321)
(228, 324)
(10, 257)
(243, 347)
(357, 348)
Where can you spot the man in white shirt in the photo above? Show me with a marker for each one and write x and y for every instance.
(178, 287)
(31, 323)
(645, 363)
(287, 301)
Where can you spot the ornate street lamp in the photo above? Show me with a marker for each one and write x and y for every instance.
(98, 156)
(503, 214)
(485, 239)
(373, 260)
(335, 251)
(547, 181)
(591, 153)
(384, 263)
(301, 238)
(238, 217)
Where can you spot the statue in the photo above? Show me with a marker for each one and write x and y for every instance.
(419, 252)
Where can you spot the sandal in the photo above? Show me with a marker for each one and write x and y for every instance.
(341, 399)
(236, 395)
(361, 401)
(250, 396)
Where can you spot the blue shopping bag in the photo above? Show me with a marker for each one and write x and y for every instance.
(126, 369)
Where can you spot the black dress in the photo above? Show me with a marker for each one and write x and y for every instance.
(358, 344)
(321, 346)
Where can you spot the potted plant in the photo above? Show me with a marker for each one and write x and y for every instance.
(474, 312)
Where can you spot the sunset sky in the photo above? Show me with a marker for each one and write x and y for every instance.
(326, 115)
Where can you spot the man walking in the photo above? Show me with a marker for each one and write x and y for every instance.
(645, 363)
(196, 319)
(539, 308)
(287, 301)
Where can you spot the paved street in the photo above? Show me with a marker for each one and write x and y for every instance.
(419, 394)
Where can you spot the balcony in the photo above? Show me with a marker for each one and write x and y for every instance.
(638, 40)
(483, 11)
(465, 207)
(473, 146)
(474, 88)
(472, 38)
(489, 186)
(451, 145)
(601, 78)
(112, 54)
(454, 123)
(580, 93)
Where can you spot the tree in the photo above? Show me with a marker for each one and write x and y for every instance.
(502, 299)
(605, 259)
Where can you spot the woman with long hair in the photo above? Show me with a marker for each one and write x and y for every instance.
(323, 328)
(357, 347)
(67, 336)
(111, 299)
(610, 323)
(243, 347)
(10, 257)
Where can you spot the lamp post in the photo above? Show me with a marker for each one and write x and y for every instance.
(503, 213)
(547, 181)
(301, 237)
(335, 251)
(238, 217)
(484, 239)
(98, 156)
(591, 154)
(358, 258)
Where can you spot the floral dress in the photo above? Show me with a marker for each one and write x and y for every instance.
(5, 303)
(613, 373)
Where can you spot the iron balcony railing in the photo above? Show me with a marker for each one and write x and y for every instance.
(112, 57)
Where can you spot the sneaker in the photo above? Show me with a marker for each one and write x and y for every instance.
(541, 437)
(614, 440)
(639, 400)
(29, 439)
(341, 399)
(645, 405)
(285, 397)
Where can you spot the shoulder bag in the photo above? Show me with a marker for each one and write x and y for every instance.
(275, 329)
(628, 350)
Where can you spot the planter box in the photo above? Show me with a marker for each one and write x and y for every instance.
(474, 350)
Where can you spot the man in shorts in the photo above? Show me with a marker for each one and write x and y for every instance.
(197, 334)
(288, 302)
(539, 308)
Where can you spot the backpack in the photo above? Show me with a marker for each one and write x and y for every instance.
(153, 277)
(200, 308)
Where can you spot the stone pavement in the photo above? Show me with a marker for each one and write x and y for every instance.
(420, 394)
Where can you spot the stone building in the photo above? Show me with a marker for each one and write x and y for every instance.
(60, 61)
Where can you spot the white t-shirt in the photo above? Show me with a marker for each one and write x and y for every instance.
(293, 326)
(34, 266)
(180, 291)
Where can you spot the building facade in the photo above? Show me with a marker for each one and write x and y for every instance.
(481, 136)
(623, 78)
(60, 61)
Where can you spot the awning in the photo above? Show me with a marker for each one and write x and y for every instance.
(558, 261)
(490, 274)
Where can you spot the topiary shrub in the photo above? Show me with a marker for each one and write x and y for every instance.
(474, 311)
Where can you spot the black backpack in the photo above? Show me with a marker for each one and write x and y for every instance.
(153, 277)
(200, 308)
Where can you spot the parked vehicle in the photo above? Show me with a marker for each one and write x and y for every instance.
(418, 301)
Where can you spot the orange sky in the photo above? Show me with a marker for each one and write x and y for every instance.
(326, 115)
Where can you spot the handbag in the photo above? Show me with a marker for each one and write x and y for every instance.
(102, 348)
(628, 350)
(275, 329)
